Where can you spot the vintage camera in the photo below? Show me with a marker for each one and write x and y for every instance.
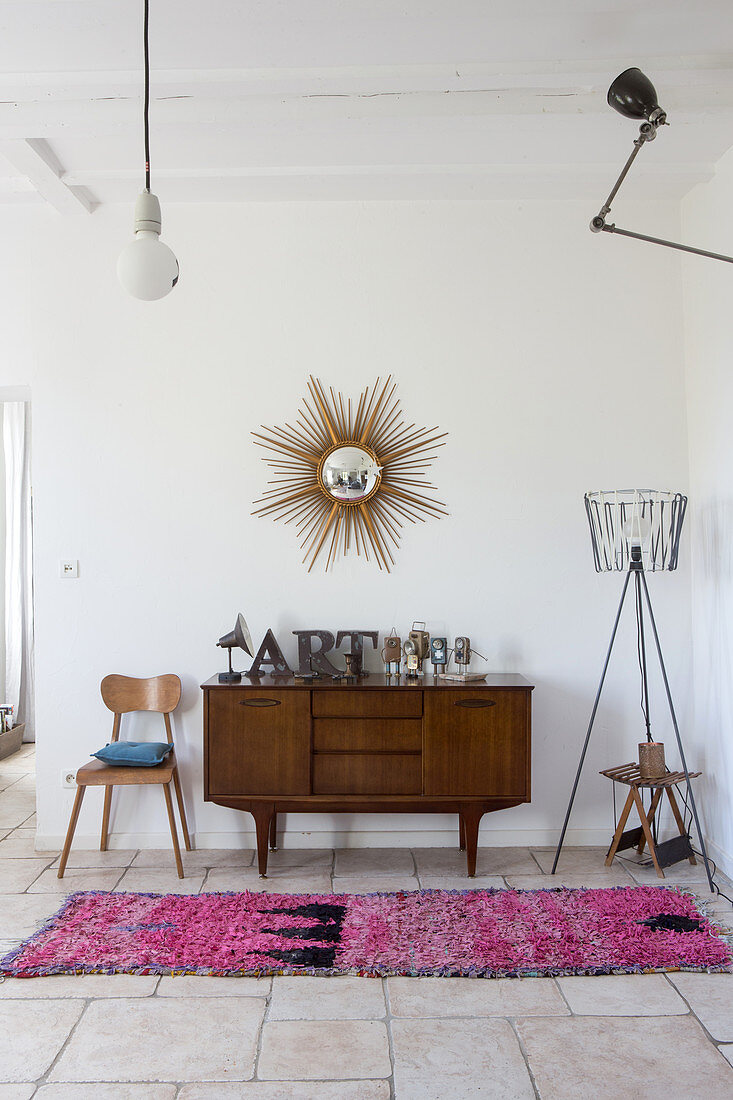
(438, 653)
(412, 659)
(421, 640)
(462, 652)
(392, 654)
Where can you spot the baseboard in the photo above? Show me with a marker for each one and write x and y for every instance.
(337, 838)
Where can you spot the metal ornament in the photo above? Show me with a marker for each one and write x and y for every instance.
(310, 662)
(349, 477)
(269, 653)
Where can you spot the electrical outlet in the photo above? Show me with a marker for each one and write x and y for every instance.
(68, 779)
(68, 568)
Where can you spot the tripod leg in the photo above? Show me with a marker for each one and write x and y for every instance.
(590, 724)
(685, 769)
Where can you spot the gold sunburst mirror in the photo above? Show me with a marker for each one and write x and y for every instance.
(349, 478)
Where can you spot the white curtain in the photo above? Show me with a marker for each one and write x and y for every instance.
(19, 686)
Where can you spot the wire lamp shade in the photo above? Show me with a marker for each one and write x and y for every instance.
(635, 524)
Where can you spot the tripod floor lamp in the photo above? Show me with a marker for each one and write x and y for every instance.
(634, 531)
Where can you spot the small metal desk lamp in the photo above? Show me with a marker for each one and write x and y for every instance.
(633, 531)
(239, 638)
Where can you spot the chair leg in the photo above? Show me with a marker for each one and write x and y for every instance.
(181, 810)
(172, 823)
(105, 818)
(70, 831)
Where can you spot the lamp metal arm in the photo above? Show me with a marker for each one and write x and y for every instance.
(647, 132)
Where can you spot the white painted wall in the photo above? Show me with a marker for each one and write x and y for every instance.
(708, 223)
(552, 357)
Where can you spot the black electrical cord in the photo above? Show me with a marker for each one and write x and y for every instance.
(146, 105)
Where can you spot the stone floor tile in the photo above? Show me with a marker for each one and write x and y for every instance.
(462, 882)
(158, 882)
(300, 860)
(21, 844)
(92, 857)
(504, 861)
(587, 881)
(442, 997)
(289, 1090)
(153, 1091)
(727, 1052)
(633, 995)
(679, 872)
(603, 1058)
(451, 862)
(588, 860)
(710, 996)
(197, 861)
(17, 1092)
(16, 875)
(458, 1060)
(75, 878)
(317, 1050)
(62, 986)
(198, 985)
(374, 884)
(15, 809)
(21, 914)
(369, 862)
(31, 1035)
(290, 884)
(232, 880)
(166, 1039)
(339, 998)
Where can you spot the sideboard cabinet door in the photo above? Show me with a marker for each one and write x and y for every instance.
(260, 742)
(477, 743)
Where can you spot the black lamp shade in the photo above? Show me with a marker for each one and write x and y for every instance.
(633, 95)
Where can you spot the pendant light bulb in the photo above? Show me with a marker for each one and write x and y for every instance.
(146, 267)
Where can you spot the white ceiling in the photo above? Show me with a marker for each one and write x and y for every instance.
(356, 99)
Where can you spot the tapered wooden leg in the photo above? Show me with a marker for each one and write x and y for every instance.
(650, 816)
(647, 831)
(71, 829)
(273, 833)
(105, 818)
(471, 820)
(461, 834)
(619, 829)
(262, 815)
(172, 823)
(181, 809)
(678, 819)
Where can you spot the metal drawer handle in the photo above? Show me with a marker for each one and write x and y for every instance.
(475, 703)
(260, 702)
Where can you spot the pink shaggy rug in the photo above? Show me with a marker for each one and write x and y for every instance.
(476, 933)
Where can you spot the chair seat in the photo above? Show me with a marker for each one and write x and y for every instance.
(98, 774)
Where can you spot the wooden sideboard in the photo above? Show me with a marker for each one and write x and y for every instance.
(381, 744)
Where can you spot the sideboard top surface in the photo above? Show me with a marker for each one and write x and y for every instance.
(493, 681)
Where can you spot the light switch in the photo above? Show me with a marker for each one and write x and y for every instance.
(68, 568)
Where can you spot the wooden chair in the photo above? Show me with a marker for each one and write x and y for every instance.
(122, 695)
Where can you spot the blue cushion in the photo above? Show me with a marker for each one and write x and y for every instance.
(139, 754)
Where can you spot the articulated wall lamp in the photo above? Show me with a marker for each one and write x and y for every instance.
(633, 95)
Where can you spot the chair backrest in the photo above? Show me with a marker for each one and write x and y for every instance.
(122, 694)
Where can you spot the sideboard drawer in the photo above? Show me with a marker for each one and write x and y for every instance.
(352, 773)
(360, 703)
(367, 735)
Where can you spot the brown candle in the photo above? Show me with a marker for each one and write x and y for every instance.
(651, 759)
